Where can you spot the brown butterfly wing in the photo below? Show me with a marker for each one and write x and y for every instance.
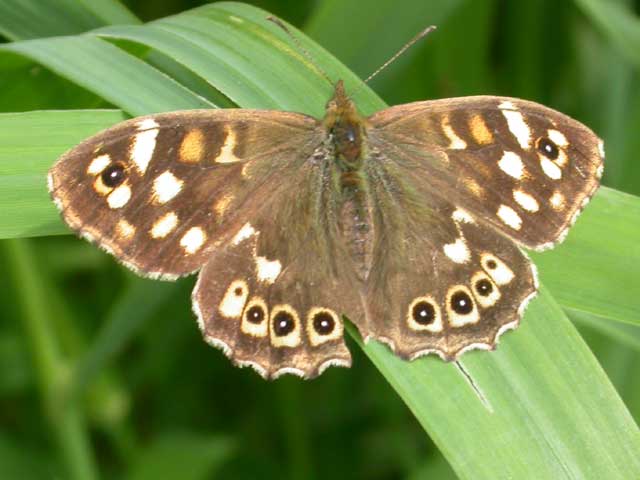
(285, 279)
(525, 168)
(160, 192)
(454, 183)
(245, 194)
(442, 281)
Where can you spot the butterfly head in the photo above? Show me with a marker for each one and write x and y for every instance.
(346, 127)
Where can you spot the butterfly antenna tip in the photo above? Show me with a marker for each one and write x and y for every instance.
(405, 47)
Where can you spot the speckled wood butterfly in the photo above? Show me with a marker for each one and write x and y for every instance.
(408, 222)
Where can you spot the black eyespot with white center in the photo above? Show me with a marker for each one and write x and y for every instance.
(484, 287)
(461, 303)
(323, 323)
(547, 148)
(255, 314)
(423, 313)
(113, 175)
(283, 324)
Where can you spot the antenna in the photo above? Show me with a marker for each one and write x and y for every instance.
(406, 46)
(297, 43)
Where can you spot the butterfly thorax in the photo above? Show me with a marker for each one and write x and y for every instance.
(346, 129)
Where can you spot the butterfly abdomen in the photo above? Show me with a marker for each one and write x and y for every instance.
(356, 222)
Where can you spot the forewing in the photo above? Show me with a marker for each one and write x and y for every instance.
(526, 169)
(159, 192)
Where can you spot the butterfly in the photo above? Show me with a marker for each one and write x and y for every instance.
(408, 222)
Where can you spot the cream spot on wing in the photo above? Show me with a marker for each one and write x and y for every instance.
(144, 144)
(511, 164)
(255, 318)
(457, 251)
(192, 147)
(281, 318)
(119, 197)
(166, 186)
(245, 232)
(496, 268)
(526, 201)
(226, 152)
(479, 130)
(234, 299)
(517, 126)
(557, 200)
(323, 325)
(599, 171)
(416, 320)
(457, 318)
(509, 217)
(193, 240)
(557, 137)
(460, 215)
(125, 230)
(562, 158)
(550, 169)
(100, 187)
(456, 143)
(164, 225)
(601, 148)
(98, 164)
(147, 124)
(485, 291)
(267, 270)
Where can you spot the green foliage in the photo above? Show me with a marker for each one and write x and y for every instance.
(105, 375)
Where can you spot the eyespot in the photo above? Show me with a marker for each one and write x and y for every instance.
(424, 314)
(285, 326)
(484, 290)
(255, 314)
(461, 308)
(461, 303)
(113, 175)
(323, 325)
(483, 287)
(547, 148)
(254, 317)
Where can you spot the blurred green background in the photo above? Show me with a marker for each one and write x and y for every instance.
(105, 375)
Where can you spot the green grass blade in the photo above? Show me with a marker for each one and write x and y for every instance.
(596, 269)
(24, 19)
(29, 143)
(111, 12)
(543, 405)
(110, 72)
